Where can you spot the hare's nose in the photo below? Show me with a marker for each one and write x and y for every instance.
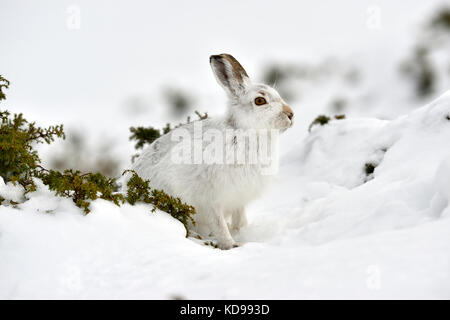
(290, 115)
(288, 111)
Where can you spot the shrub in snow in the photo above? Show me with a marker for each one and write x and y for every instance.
(3, 84)
(138, 190)
(82, 188)
(369, 168)
(146, 135)
(323, 120)
(19, 161)
(20, 166)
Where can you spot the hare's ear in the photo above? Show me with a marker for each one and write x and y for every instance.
(230, 74)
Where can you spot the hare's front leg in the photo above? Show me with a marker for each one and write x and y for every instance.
(238, 219)
(220, 230)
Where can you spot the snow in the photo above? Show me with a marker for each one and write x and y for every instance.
(10, 191)
(324, 229)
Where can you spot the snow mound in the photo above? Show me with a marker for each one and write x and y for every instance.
(408, 182)
(361, 209)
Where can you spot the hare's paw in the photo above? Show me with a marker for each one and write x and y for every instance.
(227, 245)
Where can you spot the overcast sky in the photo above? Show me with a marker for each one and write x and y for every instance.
(66, 58)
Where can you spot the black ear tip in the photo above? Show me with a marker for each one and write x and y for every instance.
(214, 57)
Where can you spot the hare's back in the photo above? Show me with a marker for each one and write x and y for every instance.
(157, 156)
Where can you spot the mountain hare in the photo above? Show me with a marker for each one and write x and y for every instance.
(219, 190)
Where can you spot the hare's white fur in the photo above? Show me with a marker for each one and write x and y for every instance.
(219, 192)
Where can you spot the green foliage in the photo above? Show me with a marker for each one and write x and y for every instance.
(3, 84)
(369, 168)
(146, 135)
(201, 116)
(319, 120)
(323, 120)
(81, 188)
(441, 19)
(18, 159)
(211, 243)
(174, 206)
(420, 71)
(139, 190)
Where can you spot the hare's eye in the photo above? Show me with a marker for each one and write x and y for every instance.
(260, 101)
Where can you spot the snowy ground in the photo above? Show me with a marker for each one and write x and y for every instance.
(324, 230)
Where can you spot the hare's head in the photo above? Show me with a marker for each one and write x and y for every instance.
(252, 105)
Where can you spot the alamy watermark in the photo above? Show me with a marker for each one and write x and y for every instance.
(71, 279)
(73, 17)
(373, 280)
(373, 17)
(238, 148)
